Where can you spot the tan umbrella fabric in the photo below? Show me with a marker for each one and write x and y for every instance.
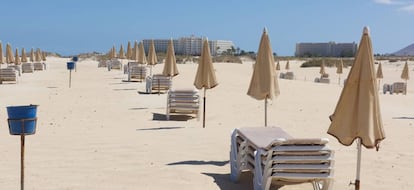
(142, 59)
(44, 56)
(264, 83)
(405, 74)
(135, 51)
(38, 56)
(170, 66)
(379, 72)
(357, 114)
(339, 68)
(278, 66)
(113, 52)
(17, 58)
(9, 54)
(322, 70)
(121, 52)
(152, 55)
(24, 57)
(205, 77)
(32, 55)
(129, 51)
(1, 54)
(287, 67)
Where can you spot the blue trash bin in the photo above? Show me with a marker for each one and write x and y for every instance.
(22, 119)
(75, 58)
(70, 65)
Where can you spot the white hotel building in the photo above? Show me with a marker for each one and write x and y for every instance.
(189, 45)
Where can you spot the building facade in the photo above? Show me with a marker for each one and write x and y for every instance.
(191, 45)
(330, 49)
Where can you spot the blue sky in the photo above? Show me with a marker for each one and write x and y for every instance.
(76, 26)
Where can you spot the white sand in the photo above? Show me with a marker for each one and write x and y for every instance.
(100, 134)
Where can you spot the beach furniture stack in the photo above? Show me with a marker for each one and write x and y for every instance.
(8, 74)
(158, 83)
(183, 101)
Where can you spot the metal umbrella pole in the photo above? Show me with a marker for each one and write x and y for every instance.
(204, 109)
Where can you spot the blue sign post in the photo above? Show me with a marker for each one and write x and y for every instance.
(70, 66)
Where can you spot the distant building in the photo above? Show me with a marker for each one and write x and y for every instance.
(330, 49)
(189, 45)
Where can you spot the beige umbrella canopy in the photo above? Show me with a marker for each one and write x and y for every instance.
(129, 51)
(357, 113)
(205, 77)
(121, 52)
(38, 55)
(135, 52)
(32, 55)
(113, 53)
(1, 54)
(17, 58)
(170, 65)
(24, 57)
(278, 66)
(9, 54)
(152, 56)
(339, 70)
(44, 56)
(405, 74)
(322, 70)
(264, 83)
(142, 59)
(379, 74)
(287, 66)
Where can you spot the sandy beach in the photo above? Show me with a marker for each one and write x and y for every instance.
(103, 134)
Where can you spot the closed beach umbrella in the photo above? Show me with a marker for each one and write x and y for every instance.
(1, 54)
(379, 74)
(43, 56)
(121, 52)
(287, 67)
(205, 77)
(264, 83)
(357, 114)
(278, 66)
(322, 69)
(32, 55)
(405, 74)
(38, 55)
(9, 54)
(24, 57)
(113, 52)
(142, 58)
(339, 71)
(129, 51)
(17, 58)
(135, 51)
(170, 65)
(152, 56)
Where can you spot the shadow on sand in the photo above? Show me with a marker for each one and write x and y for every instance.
(159, 128)
(163, 117)
(224, 182)
(199, 162)
(120, 89)
(403, 118)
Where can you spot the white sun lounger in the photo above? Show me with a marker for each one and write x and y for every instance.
(276, 158)
(39, 66)
(8, 74)
(16, 67)
(158, 83)
(115, 64)
(27, 68)
(183, 101)
(137, 72)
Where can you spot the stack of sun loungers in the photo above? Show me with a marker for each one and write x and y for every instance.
(137, 73)
(8, 74)
(396, 87)
(183, 101)
(287, 75)
(323, 79)
(158, 83)
(38, 66)
(27, 68)
(102, 63)
(277, 159)
(16, 67)
(115, 64)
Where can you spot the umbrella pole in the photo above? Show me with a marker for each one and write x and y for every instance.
(204, 109)
(265, 112)
(357, 181)
(339, 80)
(22, 139)
(70, 77)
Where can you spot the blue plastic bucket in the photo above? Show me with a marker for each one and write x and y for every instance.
(70, 65)
(22, 116)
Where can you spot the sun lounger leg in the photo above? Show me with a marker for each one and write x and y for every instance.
(258, 172)
(234, 166)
